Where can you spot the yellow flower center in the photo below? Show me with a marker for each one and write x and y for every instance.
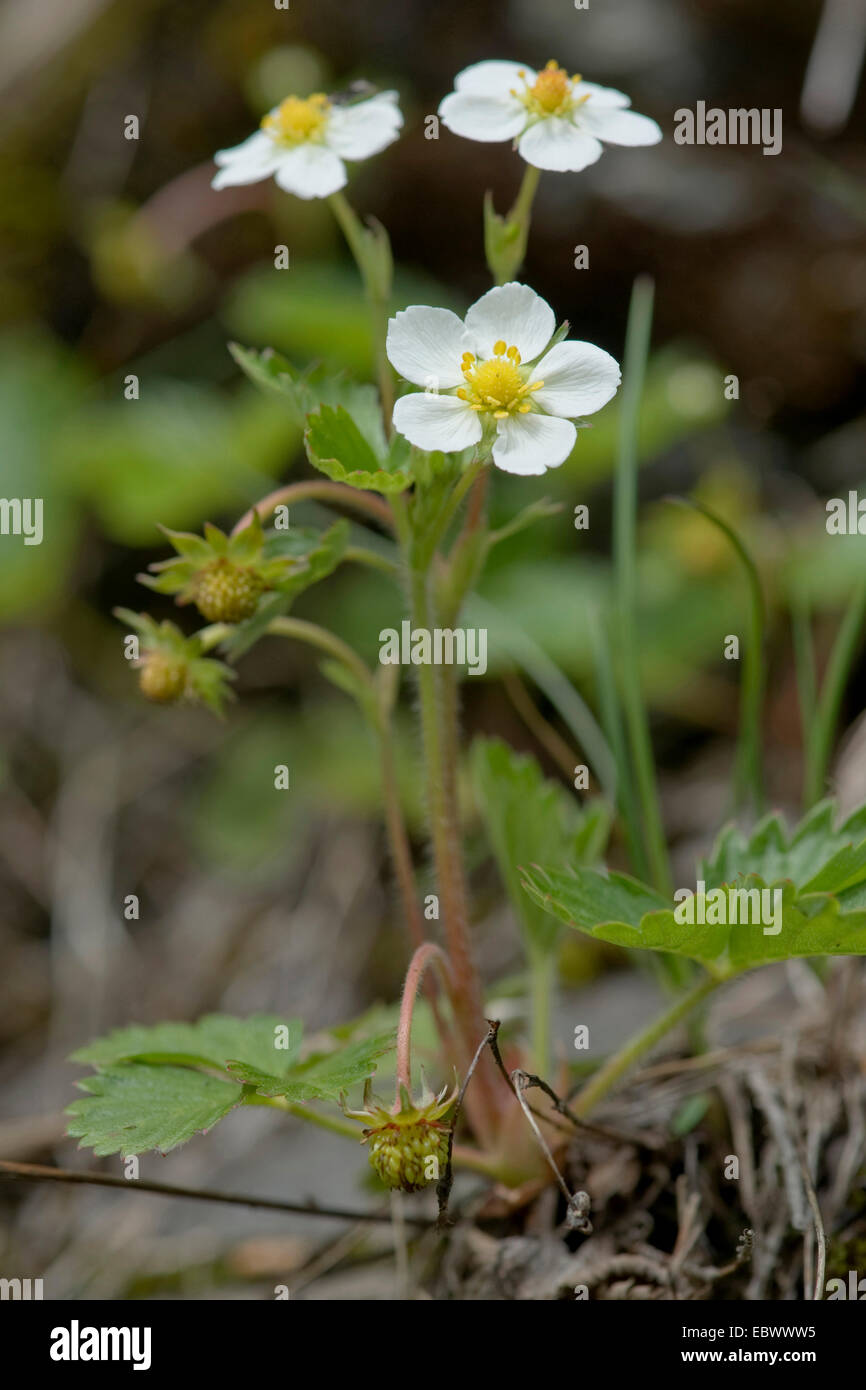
(496, 386)
(298, 120)
(552, 93)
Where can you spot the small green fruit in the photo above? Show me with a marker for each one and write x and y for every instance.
(226, 593)
(400, 1153)
(408, 1143)
(162, 677)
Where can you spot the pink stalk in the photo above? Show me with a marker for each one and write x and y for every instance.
(417, 965)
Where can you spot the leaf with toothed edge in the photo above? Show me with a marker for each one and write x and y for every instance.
(210, 1042)
(322, 1077)
(336, 447)
(156, 1086)
(132, 1108)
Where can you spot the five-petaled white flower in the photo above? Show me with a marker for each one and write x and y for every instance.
(304, 141)
(494, 376)
(556, 121)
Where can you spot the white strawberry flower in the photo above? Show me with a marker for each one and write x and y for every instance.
(495, 376)
(556, 121)
(304, 141)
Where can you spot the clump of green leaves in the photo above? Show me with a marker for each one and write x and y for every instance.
(155, 1087)
(344, 432)
(819, 869)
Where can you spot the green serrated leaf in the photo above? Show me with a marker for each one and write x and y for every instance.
(588, 898)
(750, 931)
(133, 1108)
(323, 1077)
(304, 393)
(273, 373)
(815, 857)
(337, 447)
(334, 1072)
(209, 1042)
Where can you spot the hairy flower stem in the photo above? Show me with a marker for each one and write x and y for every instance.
(424, 956)
(398, 836)
(439, 741)
(622, 1061)
(372, 252)
(378, 712)
(318, 490)
(398, 839)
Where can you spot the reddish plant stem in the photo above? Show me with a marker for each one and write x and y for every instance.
(423, 957)
(398, 841)
(320, 490)
(439, 740)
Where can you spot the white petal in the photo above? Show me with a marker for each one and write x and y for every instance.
(310, 171)
(482, 117)
(356, 132)
(494, 77)
(255, 158)
(554, 143)
(426, 346)
(617, 127)
(437, 422)
(256, 145)
(579, 378)
(602, 96)
(532, 443)
(513, 314)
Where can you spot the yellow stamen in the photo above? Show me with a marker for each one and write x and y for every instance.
(495, 386)
(552, 93)
(298, 120)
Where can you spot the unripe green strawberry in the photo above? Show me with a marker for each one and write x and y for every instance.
(405, 1138)
(225, 592)
(162, 677)
(400, 1153)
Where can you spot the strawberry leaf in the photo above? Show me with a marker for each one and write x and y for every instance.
(155, 1086)
(336, 446)
(263, 1040)
(132, 1108)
